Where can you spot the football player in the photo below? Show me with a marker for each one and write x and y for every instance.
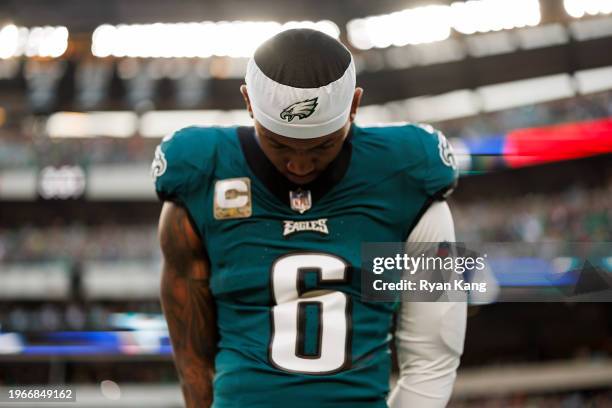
(261, 232)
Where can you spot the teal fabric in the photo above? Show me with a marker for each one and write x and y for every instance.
(394, 172)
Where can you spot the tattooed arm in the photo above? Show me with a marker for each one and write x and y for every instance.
(188, 305)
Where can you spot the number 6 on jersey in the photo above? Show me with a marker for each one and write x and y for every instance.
(288, 314)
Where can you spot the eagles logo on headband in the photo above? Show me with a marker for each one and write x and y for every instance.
(301, 84)
(301, 110)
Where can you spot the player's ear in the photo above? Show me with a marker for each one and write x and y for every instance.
(356, 101)
(247, 101)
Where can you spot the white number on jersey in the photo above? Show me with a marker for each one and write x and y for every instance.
(287, 338)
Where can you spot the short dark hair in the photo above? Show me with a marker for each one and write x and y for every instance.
(303, 58)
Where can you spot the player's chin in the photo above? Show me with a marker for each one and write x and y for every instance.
(301, 180)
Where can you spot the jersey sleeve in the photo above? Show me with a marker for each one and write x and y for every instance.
(183, 163)
(438, 173)
(428, 334)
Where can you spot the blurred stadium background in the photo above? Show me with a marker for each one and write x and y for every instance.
(523, 88)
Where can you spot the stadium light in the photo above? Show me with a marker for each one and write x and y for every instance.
(429, 108)
(50, 42)
(63, 182)
(9, 41)
(190, 40)
(580, 8)
(161, 123)
(434, 23)
(92, 124)
(494, 15)
(411, 26)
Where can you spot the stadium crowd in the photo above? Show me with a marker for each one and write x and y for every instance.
(27, 317)
(577, 109)
(71, 242)
(576, 214)
(576, 399)
(29, 149)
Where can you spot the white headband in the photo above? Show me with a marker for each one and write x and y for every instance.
(300, 113)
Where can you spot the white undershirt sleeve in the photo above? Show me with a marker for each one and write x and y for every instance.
(429, 335)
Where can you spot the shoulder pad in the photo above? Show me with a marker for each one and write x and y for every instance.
(184, 162)
(438, 171)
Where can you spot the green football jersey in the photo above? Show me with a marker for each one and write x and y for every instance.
(285, 260)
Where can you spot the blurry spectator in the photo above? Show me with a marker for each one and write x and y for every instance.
(49, 318)
(76, 281)
(18, 319)
(75, 317)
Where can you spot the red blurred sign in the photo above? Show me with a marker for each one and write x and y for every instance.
(526, 147)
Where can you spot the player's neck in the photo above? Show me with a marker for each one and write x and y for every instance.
(276, 182)
(257, 137)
